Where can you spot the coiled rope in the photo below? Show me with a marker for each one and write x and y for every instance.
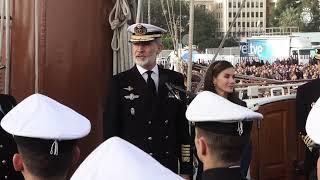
(118, 18)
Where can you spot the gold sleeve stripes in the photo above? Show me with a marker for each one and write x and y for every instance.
(308, 142)
(185, 152)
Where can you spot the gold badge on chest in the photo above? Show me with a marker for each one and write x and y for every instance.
(132, 111)
(132, 96)
(129, 88)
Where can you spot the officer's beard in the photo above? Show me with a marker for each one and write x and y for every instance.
(146, 62)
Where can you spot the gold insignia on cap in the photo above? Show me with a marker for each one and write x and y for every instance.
(140, 30)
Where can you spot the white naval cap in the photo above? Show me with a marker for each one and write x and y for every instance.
(41, 117)
(313, 123)
(142, 32)
(219, 115)
(117, 159)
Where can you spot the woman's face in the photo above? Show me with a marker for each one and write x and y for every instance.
(224, 82)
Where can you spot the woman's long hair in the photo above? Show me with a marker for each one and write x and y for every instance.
(213, 71)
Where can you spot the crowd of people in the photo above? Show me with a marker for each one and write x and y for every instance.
(286, 69)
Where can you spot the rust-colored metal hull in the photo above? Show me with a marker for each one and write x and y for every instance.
(75, 58)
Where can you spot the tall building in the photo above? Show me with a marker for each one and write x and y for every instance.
(251, 20)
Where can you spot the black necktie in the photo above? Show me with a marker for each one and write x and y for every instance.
(151, 85)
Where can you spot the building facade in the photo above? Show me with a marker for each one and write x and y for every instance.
(251, 20)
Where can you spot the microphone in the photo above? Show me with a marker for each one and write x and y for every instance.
(169, 86)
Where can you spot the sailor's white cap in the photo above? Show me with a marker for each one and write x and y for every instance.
(142, 32)
(117, 159)
(39, 116)
(313, 123)
(217, 114)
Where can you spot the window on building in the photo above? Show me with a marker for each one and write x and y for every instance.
(252, 4)
(261, 4)
(229, 24)
(230, 14)
(234, 4)
(243, 24)
(261, 14)
(243, 14)
(248, 14)
(234, 14)
(234, 25)
(248, 4)
(248, 24)
(252, 24)
(229, 4)
(261, 24)
(257, 4)
(252, 14)
(239, 4)
(239, 24)
(257, 14)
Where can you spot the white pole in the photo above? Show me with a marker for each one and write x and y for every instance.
(149, 13)
(36, 46)
(1, 29)
(7, 70)
(191, 24)
(139, 9)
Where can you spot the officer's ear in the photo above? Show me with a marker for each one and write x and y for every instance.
(159, 45)
(203, 146)
(18, 162)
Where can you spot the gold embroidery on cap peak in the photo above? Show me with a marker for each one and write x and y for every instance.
(140, 30)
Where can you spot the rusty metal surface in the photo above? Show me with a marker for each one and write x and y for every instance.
(22, 49)
(75, 58)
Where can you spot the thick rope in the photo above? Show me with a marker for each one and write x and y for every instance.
(118, 18)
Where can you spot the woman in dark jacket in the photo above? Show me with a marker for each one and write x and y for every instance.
(219, 79)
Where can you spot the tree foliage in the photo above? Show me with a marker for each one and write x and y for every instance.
(204, 23)
(288, 13)
(204, 29)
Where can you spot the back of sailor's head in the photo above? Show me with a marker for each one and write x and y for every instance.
(46, 132)
(118, 159)
(216, 114)
(222, 125)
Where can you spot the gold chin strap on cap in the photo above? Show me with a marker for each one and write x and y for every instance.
(185, 152)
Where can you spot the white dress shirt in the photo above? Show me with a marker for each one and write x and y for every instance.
(154, 75)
